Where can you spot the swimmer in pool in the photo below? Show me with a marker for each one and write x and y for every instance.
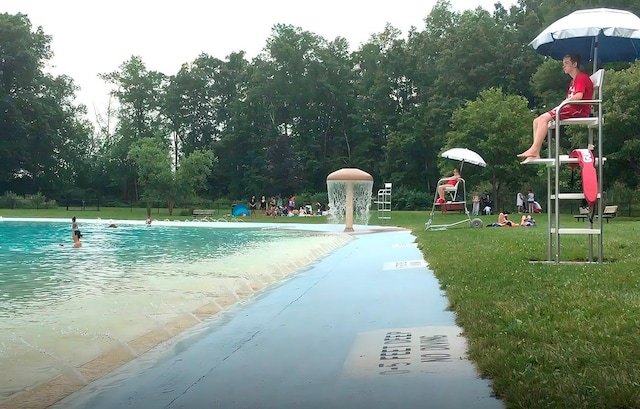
(75, 233)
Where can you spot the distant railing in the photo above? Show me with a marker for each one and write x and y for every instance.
(220, 207)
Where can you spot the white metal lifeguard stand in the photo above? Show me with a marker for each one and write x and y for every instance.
(384, 203)
(553, 163)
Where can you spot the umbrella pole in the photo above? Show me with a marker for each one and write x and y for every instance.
(595, 55)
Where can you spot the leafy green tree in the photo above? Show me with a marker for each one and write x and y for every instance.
(201, 101)
(303, 108)
(621, 139)
(193, 173)
(140, 96)
(498, 127)
(552, 10)
(549, 85)
(291, 128)
(198, 100)
(42, 134)
(326, 137)
(153, 165)
(246, 140)
(287, 84)
(454, 58)
(472, 51)
(386, 98)
(157, 179)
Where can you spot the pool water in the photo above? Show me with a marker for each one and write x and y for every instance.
(65, 310)
(39, 266)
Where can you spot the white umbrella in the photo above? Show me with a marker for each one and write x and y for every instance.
(464, 155)
(598, 35)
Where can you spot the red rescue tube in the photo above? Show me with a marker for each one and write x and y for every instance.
(586, 162)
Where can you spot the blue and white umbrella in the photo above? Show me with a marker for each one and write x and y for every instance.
(599, 35)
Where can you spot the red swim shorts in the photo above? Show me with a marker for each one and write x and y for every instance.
(571, 111)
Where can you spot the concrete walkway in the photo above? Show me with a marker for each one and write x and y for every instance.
(366, 327)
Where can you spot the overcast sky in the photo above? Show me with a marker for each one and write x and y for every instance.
(91, 37)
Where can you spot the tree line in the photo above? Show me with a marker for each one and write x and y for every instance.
(280, 122)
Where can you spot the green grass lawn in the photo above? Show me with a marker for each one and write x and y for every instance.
(548, 336)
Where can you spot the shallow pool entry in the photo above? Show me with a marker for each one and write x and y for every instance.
(70, 315)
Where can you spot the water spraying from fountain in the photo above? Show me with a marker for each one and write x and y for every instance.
(349, 193)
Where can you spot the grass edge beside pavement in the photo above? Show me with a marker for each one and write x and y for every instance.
(547, 336)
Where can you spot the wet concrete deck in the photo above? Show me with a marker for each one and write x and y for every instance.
(366, 327)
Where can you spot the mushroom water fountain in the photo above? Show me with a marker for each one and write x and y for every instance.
(349, 191)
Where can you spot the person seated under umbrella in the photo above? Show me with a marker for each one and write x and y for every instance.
(580, 87)
(452, 181)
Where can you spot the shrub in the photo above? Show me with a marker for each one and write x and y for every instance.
(309, 198)
(11, 200)
(406, 199)
(619, 193)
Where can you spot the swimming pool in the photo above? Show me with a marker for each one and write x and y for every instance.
(127, 289)
(39, 266)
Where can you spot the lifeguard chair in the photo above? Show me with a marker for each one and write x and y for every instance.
(456, 195)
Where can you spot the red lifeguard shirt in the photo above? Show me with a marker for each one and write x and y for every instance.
(581, 83)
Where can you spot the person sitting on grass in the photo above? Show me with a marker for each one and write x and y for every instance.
(503, 220)
(451, 181)
(527, 221)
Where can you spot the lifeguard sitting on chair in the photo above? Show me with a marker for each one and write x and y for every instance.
(449, 186)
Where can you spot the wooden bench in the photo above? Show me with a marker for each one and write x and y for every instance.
(201, 213)
(584, 213)
(609, 212)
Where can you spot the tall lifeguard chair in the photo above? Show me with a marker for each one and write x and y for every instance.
(553, 163)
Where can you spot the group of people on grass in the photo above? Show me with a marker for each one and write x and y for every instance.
(482, 202)
(275, 207)
(253, 205)
(503, 221)
(529, 203)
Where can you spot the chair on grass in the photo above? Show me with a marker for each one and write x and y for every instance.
(455, 196)
(452, 191)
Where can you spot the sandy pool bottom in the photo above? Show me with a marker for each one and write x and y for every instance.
(50, 354)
